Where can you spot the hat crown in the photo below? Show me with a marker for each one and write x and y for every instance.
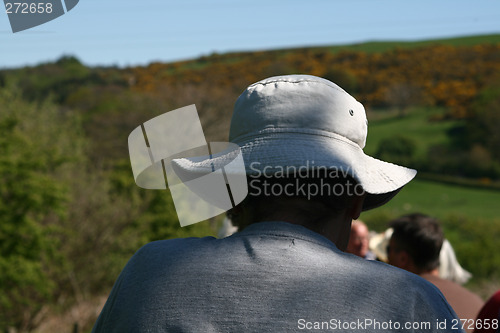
(298, 103)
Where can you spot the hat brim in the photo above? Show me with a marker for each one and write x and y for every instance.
(286, 151)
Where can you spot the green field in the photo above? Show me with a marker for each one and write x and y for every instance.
(421, 195)
(443, 201)
(415, 125)
(383, 46)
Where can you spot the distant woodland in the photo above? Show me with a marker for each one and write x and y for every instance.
(71, 214)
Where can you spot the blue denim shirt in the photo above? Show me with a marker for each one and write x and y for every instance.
(271, 277)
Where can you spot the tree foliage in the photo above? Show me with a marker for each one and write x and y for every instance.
(31, 200)
(473, 151)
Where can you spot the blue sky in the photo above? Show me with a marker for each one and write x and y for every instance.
(112, 32)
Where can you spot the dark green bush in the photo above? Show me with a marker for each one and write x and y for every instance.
(31, 201)
(397, 149)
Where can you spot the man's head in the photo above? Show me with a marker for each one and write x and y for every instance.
(415, 243)
(287, 125)
(307, 129)
(359, 239)
(323, 204)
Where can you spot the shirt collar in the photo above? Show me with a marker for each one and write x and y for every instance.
(287, 230)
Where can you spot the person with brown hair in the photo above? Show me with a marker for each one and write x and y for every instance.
(415, 246)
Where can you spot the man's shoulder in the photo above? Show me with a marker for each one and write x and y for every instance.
(181, 245)
(160, 252)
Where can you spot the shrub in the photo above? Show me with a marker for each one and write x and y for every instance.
(31, 200)
(397, 149)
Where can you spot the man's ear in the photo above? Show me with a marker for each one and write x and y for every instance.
(357, 206)
(405, 261)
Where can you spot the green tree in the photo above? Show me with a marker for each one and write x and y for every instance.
(474, 142)
(483, 126)
(37, 143)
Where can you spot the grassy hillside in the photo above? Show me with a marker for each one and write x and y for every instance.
(443, 201)
(440, 197)
(384, 46)
(416, 125)
(367, 47)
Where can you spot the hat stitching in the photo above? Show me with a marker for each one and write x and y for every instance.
(264, 83)
(273, 130)
(204, 163)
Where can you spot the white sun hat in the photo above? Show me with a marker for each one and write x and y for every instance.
(298, 121)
